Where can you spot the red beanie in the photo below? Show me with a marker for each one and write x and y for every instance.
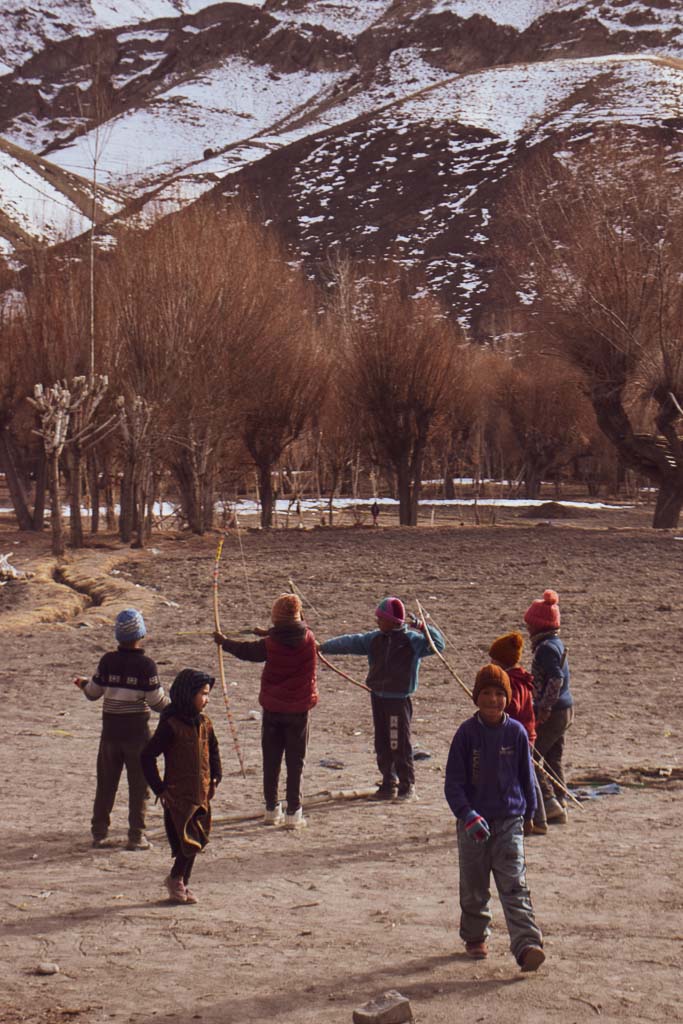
(391, 608)
(544, 613)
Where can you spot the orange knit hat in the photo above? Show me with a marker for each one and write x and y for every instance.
(492, 675)
(287, 608)
(507, 649)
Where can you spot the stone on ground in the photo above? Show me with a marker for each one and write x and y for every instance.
(390, 1008)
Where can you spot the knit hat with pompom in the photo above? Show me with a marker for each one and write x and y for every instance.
(391, 608)
(492, 675)
(544, 613)
(507, 649)
(287, 608)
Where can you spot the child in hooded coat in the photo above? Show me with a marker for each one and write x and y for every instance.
(186, 738)
(506, 651)
(288, 693)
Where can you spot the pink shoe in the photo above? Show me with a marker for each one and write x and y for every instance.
(176, 890)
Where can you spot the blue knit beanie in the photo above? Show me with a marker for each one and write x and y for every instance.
(129, 626)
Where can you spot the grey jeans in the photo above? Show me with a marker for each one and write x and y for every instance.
(112, 756)
(550, 738)
(502, 855)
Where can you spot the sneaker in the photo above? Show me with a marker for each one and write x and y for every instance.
(538, 830)
(102, 843)
(384, 793)
(295, 820)
(531, 958)
(408, 793)
(477, 950)
(273, 817)
(142, 843)
(190, 896)
(176, 890)
(555, 812)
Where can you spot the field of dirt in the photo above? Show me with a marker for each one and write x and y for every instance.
(300, 928)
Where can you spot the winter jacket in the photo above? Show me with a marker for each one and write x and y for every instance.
(522, 704)
(393, 657)
(489, 771)
(288, 680)
(550, 670)
(192, 761)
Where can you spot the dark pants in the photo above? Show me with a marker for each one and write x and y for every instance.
(550, 744)
(393, 743)
(182, 866)
(283, 733)
(112, 755)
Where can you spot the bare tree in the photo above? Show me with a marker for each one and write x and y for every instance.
(601, 238)
(401, 359)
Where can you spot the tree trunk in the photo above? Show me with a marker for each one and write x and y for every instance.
(39, 492)
(266, 489)
(532, 483)
(14, 484)
(127, 502)
(94, 491)
(75, 520)
(669, 503)
(448, 469)
(55, 505)
(407, 495)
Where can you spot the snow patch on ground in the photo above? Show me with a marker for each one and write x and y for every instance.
(230, 104)
(34, 205)
(341, 16)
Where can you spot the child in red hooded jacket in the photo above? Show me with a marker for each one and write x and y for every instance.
(288, 692)
(506, 651)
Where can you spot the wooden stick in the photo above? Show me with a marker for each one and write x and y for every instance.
(295, 590)
(343, 674)
(438, 653)
(221, 668)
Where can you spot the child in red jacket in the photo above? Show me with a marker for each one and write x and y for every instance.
(288, 692)
(506, 652)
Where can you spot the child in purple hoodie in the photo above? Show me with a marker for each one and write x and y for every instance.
(490, 789)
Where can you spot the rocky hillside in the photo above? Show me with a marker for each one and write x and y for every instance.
(384, 129)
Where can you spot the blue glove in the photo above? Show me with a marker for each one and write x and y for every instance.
(477, 828)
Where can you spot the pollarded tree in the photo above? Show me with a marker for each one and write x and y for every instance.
(549, 416)
(601, 239)
(402, 359)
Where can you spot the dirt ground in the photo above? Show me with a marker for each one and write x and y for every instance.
(300, 928)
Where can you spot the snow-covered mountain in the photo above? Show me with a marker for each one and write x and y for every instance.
(385, 128)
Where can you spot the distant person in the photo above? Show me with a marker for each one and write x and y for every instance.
(394, 652)
(506, 652)
(553, 701)
(374, 511)
(186, 739)
(289, 691)
(490, 789)
(129, 682)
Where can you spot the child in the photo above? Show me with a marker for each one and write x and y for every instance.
(186, 738)
(490, 789)
(129, 682)
(553, 702)
(288, 693)
(394, 653)
(506, 651)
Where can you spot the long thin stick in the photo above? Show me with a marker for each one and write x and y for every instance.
(438, 653)
(295, 590)
(244, 564)
(221, 669)
(343, 674)
(545, 769)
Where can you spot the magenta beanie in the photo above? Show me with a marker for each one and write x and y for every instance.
(544, 613)
(393, 609)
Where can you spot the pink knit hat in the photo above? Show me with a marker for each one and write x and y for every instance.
(544, 613)
(391, 608)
